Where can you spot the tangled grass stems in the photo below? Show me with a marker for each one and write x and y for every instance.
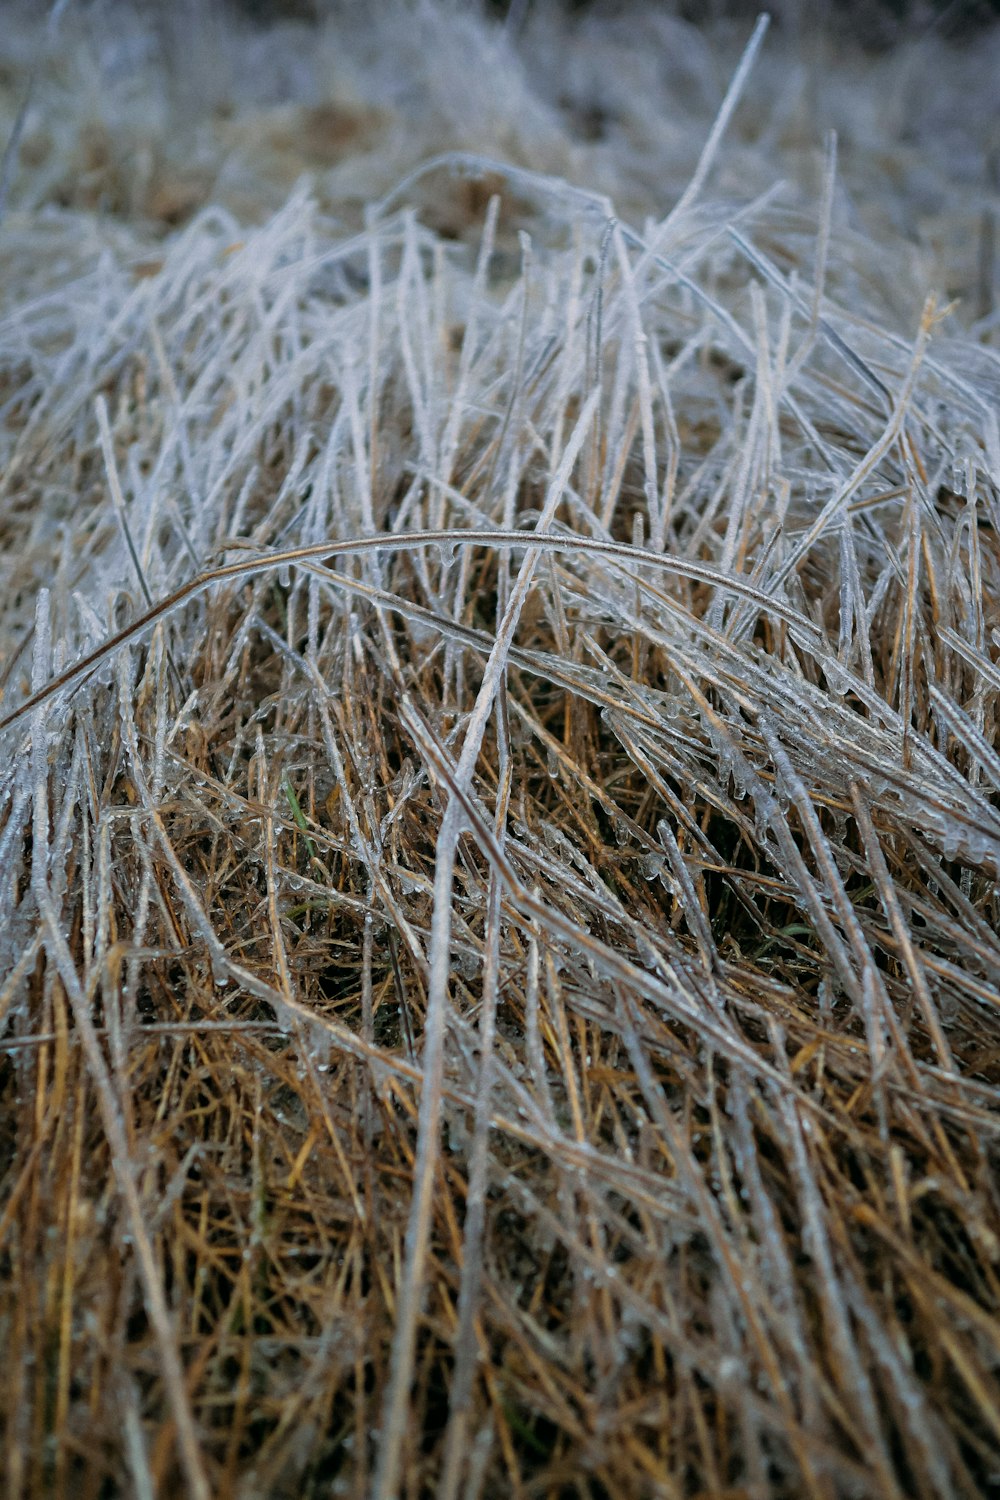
(499, 976)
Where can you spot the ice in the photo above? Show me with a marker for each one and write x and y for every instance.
(468, 963)
(710, 387)
(41, 658)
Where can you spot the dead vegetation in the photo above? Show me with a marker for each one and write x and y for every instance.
(498, 863)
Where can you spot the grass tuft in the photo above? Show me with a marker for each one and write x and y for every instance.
(500, 805)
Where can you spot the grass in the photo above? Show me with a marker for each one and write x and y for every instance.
(499, 837)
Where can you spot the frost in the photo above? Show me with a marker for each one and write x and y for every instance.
(500, 701)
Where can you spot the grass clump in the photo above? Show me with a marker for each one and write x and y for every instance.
(500, 838)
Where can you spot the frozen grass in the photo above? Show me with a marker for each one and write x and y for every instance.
(500, 823)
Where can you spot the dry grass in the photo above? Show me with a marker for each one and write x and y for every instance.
(499, 854)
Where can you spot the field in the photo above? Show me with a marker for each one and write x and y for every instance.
(500, 784)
